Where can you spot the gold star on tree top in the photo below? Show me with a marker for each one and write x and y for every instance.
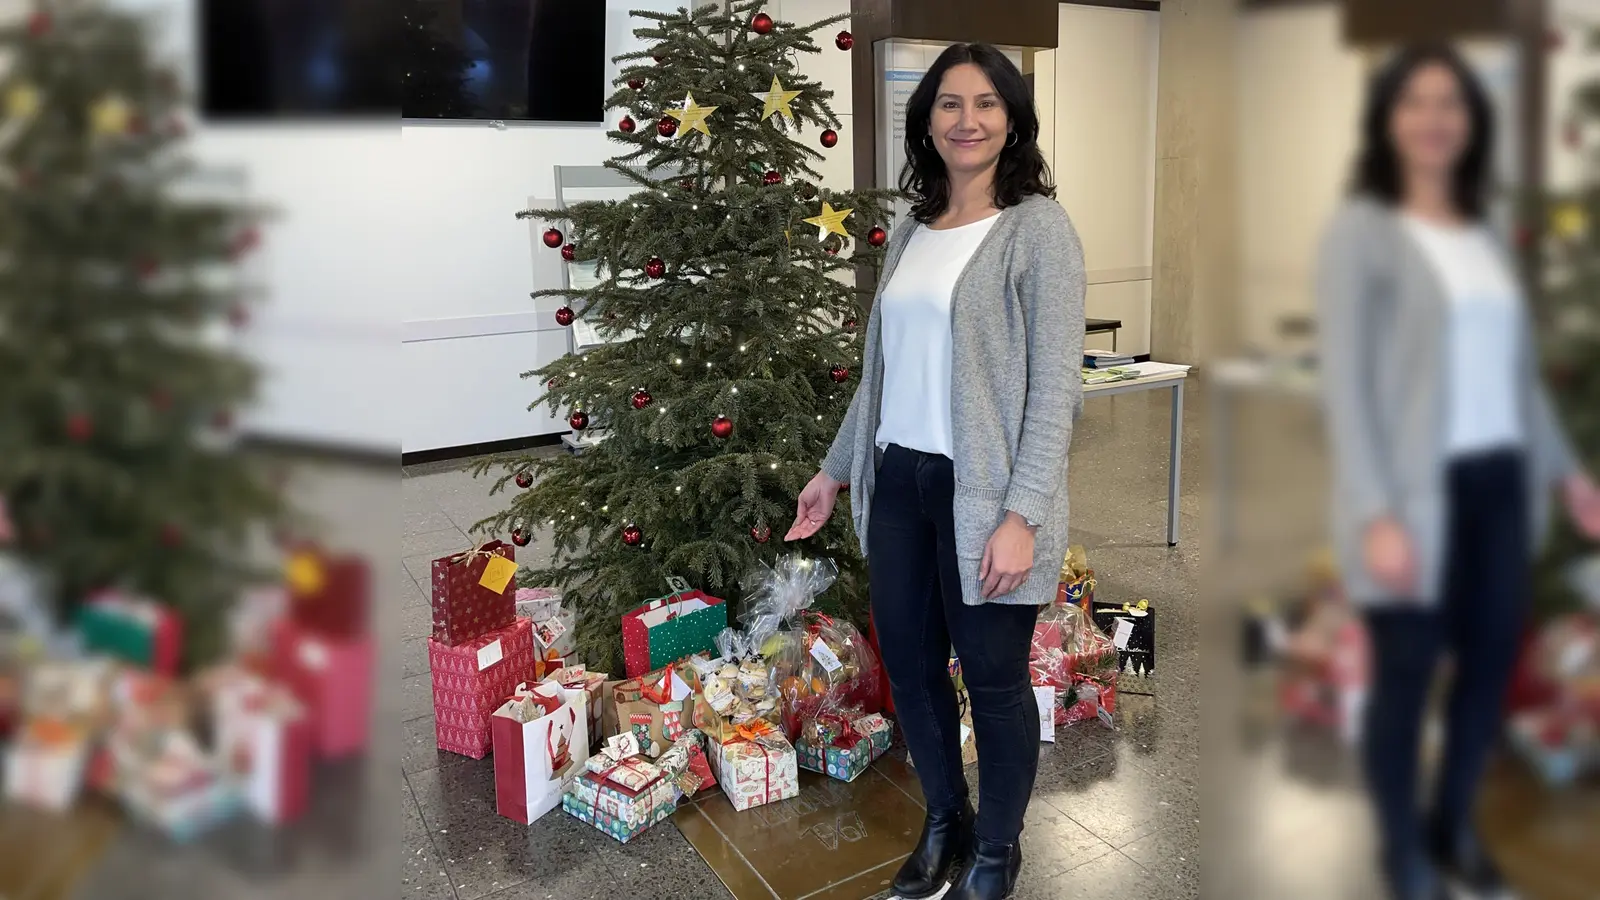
(692, 116)
(830, 220)
(777, 100)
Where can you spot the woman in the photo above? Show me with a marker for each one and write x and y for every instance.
(955, 450)
(1445, 450)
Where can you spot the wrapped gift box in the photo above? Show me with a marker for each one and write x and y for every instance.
(541, 743)
(474, 592)
(45, 767)
(328, 593)
(264, 742)
(668, 629)
(686, 764)
(622, 806)
(132, 629)
(756, 769)
(333, 677)
(556, 637)
(538, 604)
(180, 792)
(472, 679)
(844, 755)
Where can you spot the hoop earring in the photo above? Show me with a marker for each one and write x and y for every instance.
(1014, 140)
(927, 141)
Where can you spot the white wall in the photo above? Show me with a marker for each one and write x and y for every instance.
(1104, 95)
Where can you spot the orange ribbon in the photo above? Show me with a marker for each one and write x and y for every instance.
(754, 730)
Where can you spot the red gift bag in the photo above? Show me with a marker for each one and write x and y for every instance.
(471, 680)
(474, 592)
(327, 593)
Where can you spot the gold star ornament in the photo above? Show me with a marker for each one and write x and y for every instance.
(110, 116)
(830, 221)
(692, 116)
(22, 102)
(777, 100)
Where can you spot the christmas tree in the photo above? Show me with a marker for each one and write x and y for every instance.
(116, 290)
(435, 68)
(1566, 289)
(730, 320)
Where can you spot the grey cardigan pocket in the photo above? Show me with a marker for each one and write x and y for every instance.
(978, 512)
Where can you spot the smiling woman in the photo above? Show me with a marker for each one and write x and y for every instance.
(955, 450)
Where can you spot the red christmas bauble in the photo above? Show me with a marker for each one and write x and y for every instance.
(632, 535)
(553, 238)
(655, 268)
(722, 427)
(772, 177)
(520, 538)
(641, 399)
(844, 40)
(239, 315)
(171, 535)
(839, 374)
(849, 324)
(247, 240)
(578, 420)
(636, 83)
(667, 127)
(160, 399)
(524, 480)
(39, 24)
(658, 58)
(1523, 236)
(687, 184)
(830, 138)
(627, 125)
(877, 237)
(564, 316)
(833, 245)
(761, 533)
(761, 24)
(552, 384)
(569, 252)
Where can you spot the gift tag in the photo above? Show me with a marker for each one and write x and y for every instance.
(1105, 718)
(1121, 633)
(313, 655)
(497, 574)
(678, 585)
(622, 746)
(548, 632)
(304, 574)
(825, 655)
(680, 688)
(489, 654)
(1046, 698)
(966, 733)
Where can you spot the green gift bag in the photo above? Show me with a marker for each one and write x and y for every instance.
(667, 629)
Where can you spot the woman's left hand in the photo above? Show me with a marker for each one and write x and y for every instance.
(1583, 504)
(1008, 557)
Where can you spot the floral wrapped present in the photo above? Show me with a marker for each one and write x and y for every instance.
(622, 800)
(841, 748)
(758, 767)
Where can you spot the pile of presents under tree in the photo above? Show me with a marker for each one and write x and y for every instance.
(100, 708)
(705, 705)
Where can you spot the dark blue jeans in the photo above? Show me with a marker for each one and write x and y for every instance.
(1478, 620)
(918, 613)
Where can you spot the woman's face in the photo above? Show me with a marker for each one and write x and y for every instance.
(1430, 125)
(969, 121)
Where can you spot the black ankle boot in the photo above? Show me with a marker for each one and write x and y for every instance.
(945, 841)
(990, 872)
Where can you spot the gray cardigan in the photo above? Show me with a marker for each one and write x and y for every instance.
(1383, 320)
(1015, 391)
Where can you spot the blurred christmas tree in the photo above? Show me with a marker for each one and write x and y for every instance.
(1566, 288)
(435, 67)
(116, 287)
(729, 321)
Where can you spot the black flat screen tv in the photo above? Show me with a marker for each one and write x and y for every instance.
(271, 59)
(529, 60)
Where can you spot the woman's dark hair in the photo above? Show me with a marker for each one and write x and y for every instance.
(1021, 170)
(1378, 167)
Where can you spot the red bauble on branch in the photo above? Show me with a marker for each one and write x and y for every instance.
(553, 238)
(877, 237)
(40, 24)
(569, 252)
(667, 127)
(830, 138)
(761, 534)
(636, 83)
(565, 316)
(761, 24)
(655, 268)
(247, 240)
(524, 480)
(687, 184)
(839, 374)
(772, 177)
(520, 538)
(627, 125)
(171, 536)
(722, 427)
(632, 535)
(578, 420)
(850, 324)
(641, 399)
(844, 40)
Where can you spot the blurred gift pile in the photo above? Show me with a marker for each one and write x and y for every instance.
(1554, 701)
(102, 707)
